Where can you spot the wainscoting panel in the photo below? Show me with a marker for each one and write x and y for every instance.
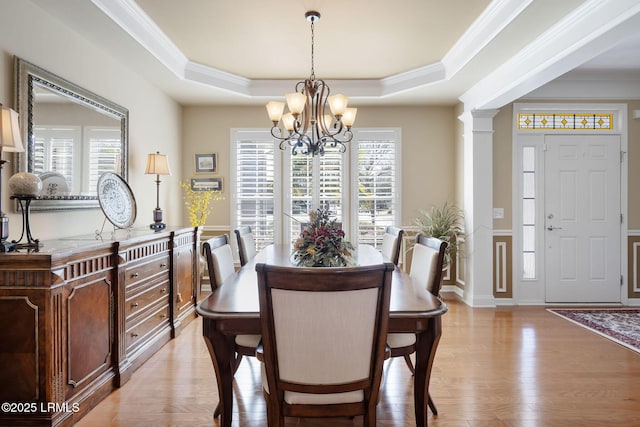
(502, 267)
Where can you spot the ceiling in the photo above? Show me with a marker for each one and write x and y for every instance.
(378, 52)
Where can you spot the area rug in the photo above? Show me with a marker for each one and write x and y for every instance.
(617, 324)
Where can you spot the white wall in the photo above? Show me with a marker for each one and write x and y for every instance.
(155, 120)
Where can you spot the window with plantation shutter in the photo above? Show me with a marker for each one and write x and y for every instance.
(255, 188)
(378, 164)
(315, 182)
(360, 188)
(55, 148)
(104, 155)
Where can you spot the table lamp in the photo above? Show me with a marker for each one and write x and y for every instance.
(157, 164)
(10, 141)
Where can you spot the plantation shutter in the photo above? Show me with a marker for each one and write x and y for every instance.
(255, 189)
(378, 183)
(104, 154)
(54, 150)
(316, 182)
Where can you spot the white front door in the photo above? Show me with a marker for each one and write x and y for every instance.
(582, 218)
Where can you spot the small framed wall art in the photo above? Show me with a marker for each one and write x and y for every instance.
(206, 163)
(206, 184)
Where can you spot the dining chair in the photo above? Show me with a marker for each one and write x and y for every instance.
(426, 268)
(391, 243)
(323, 340)
(219, 257)
(246, 244)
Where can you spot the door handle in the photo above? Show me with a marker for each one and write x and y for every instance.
(551, 228)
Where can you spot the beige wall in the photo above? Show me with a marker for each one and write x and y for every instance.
(155, 121)
(428, 149)
(502, 161)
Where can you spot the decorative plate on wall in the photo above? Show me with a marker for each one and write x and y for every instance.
(116, 200)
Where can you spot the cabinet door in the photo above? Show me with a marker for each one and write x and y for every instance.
(185, 280)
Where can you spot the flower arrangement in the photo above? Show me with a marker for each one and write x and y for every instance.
(322, 243)
(197, 203)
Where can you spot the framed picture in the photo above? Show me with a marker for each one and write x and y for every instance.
(206, 163)
(206, 184)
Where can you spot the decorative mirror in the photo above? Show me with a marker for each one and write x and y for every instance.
(72, 136)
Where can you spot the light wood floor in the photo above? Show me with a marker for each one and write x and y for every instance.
(517, 366)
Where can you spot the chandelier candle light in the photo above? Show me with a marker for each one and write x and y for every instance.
(10, 141)
(157, 164)
(308, 125)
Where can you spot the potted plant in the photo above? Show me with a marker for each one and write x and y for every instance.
(445, 223)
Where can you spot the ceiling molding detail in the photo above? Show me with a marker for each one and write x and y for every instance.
(132, 19)
(578, 37)
(413, 78)
(498, 15)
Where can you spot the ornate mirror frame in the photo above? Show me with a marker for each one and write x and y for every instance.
(27, 77)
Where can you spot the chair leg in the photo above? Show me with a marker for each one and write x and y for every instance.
(432, 405)
(407, 359)
(236, 363)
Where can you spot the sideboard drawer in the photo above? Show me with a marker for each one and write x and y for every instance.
(142, 271)
(145, 296)
(152, 320)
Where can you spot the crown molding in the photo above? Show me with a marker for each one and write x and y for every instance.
(589, 30)
(413, 78)
(132, 19)
(217, 78)
(495, 18)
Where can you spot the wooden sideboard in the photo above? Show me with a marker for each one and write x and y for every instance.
(82, 314)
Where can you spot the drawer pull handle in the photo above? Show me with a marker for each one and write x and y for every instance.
(135, 274)
(163, 290)
(164, 264)
(134, 305)
(134, 335)
(163, 316)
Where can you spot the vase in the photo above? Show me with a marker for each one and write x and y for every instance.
(25, 184)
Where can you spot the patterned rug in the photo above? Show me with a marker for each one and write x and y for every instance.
(617, 324)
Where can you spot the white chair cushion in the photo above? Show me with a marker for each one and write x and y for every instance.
(248, 340)
(222, 263)
(388, 245)
(400, 340)
(423, 264)
(248, 245)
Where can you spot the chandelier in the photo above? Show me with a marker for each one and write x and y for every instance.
(308, 126)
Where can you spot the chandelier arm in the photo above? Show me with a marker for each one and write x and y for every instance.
(276, 132)
(321, 106)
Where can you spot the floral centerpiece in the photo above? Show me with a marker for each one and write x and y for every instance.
(322, 243)
(197, 203)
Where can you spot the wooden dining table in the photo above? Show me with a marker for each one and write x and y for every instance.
(233, 309)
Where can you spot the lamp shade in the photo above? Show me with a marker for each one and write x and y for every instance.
(157, 164)
(296, 102)
(349, 116)
(10, 139)
(338, 103)
(275, 109)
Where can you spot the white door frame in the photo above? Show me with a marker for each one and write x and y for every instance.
(532, 291)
